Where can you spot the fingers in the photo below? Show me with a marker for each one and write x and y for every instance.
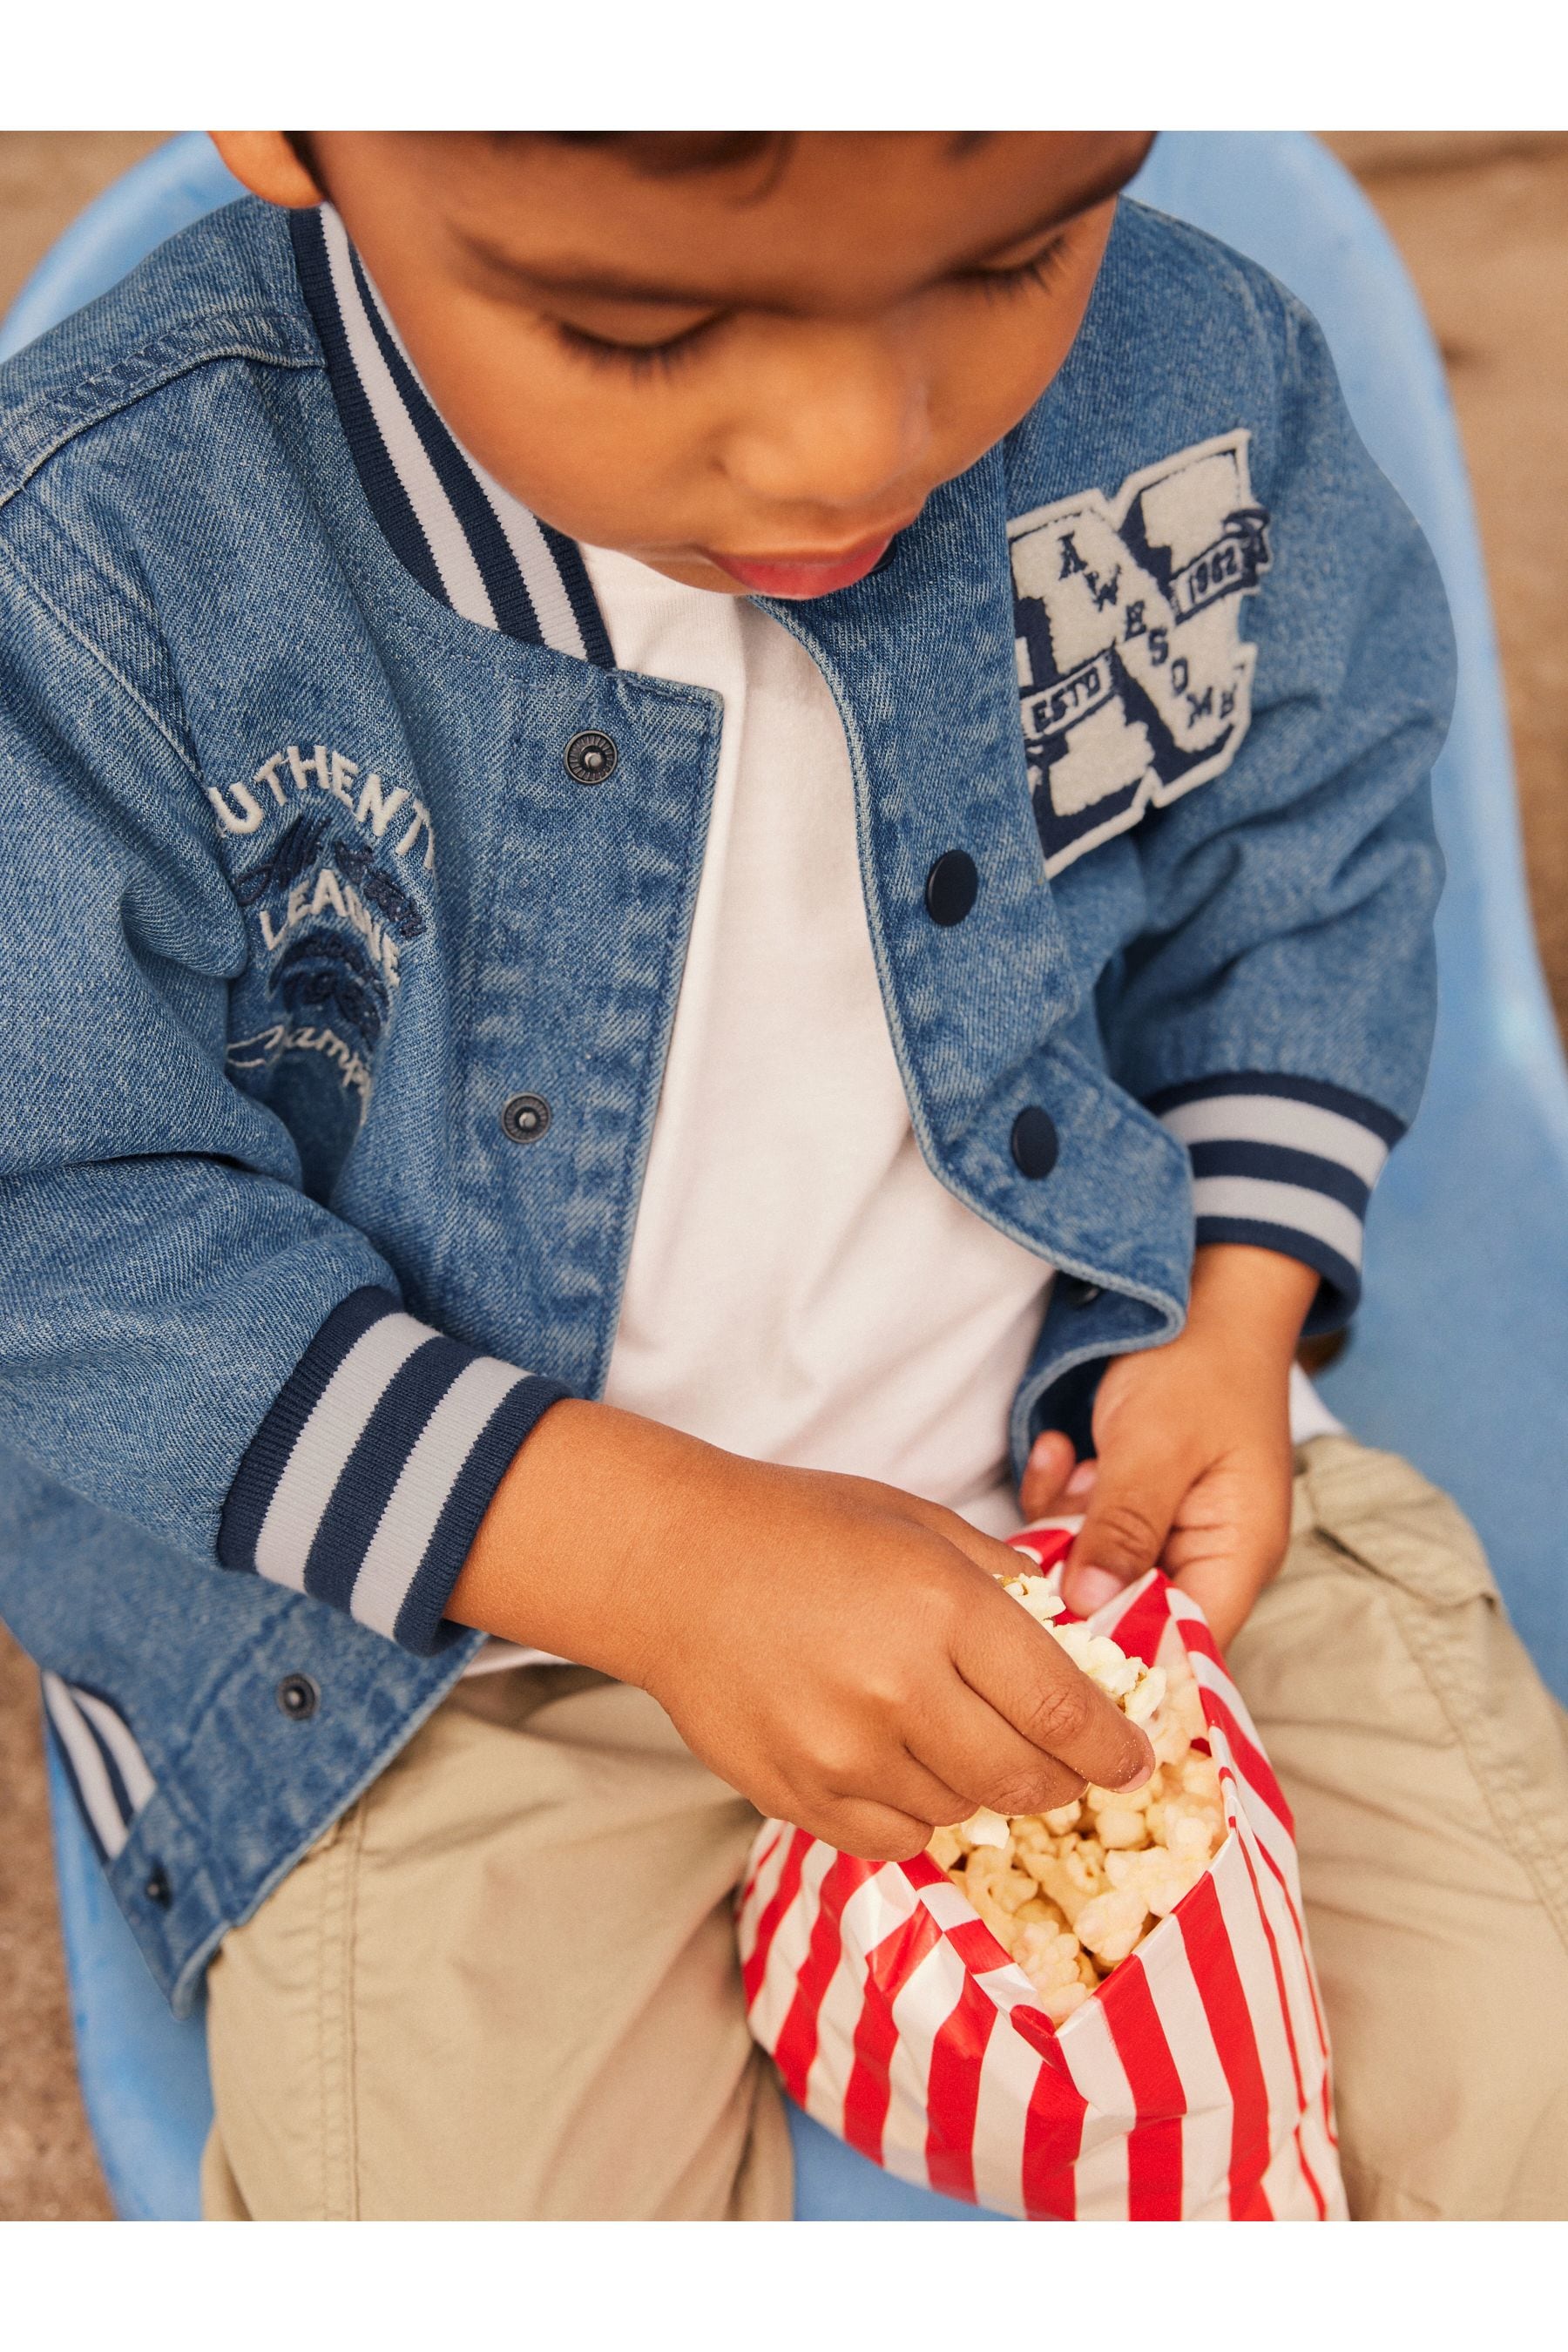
(970, 1746)
(1028, 1679)
(1053, 1481)
(1080, 1485)
(1225, 1567)
(1045, 1474)
(913, 1785)
(1138, 1489)
(859, 1826)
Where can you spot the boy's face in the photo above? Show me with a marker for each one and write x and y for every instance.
(748, 375)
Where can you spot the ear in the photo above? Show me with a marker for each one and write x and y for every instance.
(264, 162)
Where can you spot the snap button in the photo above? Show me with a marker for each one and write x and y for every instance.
(157, 1888)
(1035, 1142)
(952, 888)
(590, 757)
(524, 1118)
(1077, 1292)
(299, 1697)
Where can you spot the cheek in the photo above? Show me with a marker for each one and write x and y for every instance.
(1000, 355)
(994, 367)
(584, 449)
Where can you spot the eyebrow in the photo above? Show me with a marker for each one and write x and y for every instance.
(597, 282)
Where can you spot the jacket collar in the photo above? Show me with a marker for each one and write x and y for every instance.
(467, 541)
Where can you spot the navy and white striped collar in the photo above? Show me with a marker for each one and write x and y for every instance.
(465, 539)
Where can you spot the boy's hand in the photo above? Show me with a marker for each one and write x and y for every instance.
(837, 1651)
(1193, 1442)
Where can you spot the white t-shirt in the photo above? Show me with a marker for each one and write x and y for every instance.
(800, 1288)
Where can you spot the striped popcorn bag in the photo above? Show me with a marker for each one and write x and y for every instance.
(1193, 2086)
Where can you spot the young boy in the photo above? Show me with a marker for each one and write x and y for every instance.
(578, 1079)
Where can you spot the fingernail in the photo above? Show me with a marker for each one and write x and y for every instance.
(1090, 1589)
(1145, 1772)
(1082, 1478)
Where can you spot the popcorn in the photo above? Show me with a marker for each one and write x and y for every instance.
(1038, 1595)
(946, 1848)
(1050, 1957)
(1158, 1877)
(1110, 1925)
(1181, 1722)
(1120, 1825)
(1069, 1894)
(997, 1890)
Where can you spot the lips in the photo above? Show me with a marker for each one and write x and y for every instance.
(802, 575)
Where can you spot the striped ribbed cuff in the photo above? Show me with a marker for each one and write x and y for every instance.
(109, 1775)
(1285, 1164)
(366, 1483)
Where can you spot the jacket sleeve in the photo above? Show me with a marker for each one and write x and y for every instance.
(187, 1338)
(1276, 1010)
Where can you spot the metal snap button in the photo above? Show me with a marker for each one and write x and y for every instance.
(1077, 1292)
(952, 888)
(590, 757)
(524, 1118)
(157, 1888)
(299, 1697)
(1034, 1141)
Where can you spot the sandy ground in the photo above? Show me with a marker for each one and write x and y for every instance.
(1483, 221)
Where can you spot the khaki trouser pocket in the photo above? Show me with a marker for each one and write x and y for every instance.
(505, 1985)
(1382, 1512)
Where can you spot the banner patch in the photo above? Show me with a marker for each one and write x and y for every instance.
(1134, 681)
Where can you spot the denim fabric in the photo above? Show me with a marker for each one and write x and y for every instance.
(299, 893)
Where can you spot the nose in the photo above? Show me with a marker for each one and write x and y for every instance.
(844, 419)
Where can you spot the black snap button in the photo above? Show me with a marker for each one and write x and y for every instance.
(952, 888)
(299, 1697)
(524, 1118)
(1035, 1142)
(1077, 1292)
(590, 757)
(157, 1888)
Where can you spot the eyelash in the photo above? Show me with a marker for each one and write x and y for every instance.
(635, 359)
(1039, 270)
(663, 359)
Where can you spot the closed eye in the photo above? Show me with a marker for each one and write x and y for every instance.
(1041, 269)
(639, 359)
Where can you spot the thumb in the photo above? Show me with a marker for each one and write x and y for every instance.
(1135, 1496)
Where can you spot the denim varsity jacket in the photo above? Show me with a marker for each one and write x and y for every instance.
(342, 910)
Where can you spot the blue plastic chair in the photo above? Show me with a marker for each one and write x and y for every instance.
(1460, 1356)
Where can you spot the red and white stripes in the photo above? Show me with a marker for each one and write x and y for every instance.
(1193, 2086)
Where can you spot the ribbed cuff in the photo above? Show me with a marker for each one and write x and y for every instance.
(1287, 1164)
(366, 1484)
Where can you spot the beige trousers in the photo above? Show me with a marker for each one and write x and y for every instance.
(504, 1985)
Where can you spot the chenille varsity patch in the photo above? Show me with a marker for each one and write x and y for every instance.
(1135, 682)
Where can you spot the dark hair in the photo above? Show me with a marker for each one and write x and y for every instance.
(666, 154)
(658, 154)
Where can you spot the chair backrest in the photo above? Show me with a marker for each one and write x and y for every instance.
(162, 194)
(1460, 1355)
